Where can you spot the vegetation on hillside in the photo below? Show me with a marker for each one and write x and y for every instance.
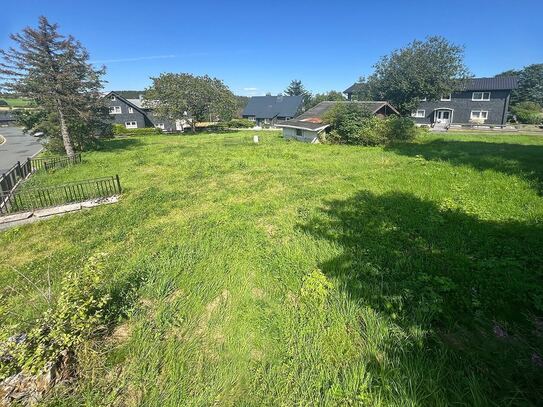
(294, 274)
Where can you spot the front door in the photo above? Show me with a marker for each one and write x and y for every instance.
(443, 117)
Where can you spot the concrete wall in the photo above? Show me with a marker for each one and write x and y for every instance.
(307, 135)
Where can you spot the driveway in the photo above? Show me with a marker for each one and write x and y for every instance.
(18, 147)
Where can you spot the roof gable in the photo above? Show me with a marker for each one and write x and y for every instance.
(269, 107)
(127, 101)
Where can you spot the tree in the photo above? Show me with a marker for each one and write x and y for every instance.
(429, 68)
(192, 98)
(296, 88)
(528, 112)
(332, 95)
(53, 70)
(530, 84)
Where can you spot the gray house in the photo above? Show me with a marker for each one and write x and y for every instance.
(131, 114)
(267, 110)
(481, 101)
(310, 127)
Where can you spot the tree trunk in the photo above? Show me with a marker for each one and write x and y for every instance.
(193, 126)
(64, 133)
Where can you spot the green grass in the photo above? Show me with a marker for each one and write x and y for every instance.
(432, 255)
(16, 102)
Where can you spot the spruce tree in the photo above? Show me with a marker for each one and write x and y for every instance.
(53, 70)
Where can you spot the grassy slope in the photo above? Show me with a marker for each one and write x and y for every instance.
(16, 102)
(434, 250)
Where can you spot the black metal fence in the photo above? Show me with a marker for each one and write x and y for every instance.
(36, 198)
(14, 175)
(54, 162)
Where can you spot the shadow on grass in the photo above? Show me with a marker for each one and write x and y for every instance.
(475, 285)
(512, 159)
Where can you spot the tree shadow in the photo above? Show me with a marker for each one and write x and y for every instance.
(521, 160)
(475, 285)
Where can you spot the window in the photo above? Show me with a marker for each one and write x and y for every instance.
(113, 98)
(130, 110)
(423, 99)
(251, 118)
(479, 114)
(131, 125)
(115, 110)
(299, 132)
(419, 113)
(160, 126)
(480, 96)
(446, 98)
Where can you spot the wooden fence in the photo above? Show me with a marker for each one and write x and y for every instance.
(28, 199)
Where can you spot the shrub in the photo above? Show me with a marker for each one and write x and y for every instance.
(241, 123)
(401, 129)
(77, 315)
(351, 124)
(3, 103)
(528, 112)
(119, 129)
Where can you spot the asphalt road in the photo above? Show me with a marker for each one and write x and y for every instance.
(18, 147)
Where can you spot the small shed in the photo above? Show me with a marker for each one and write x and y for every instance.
(309, 126)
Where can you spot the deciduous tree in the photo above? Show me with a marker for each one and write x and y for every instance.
(429, 68)
(192, 98)
(53, 70)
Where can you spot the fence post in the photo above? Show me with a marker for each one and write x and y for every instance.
(118, 182)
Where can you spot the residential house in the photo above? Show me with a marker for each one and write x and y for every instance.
(133, 115)
(310, 127)
(268, 110)
(480, 101)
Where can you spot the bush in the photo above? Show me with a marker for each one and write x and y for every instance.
(241, 124)
(351, 124)
(119, 129)
(528, 112)
(3, 103)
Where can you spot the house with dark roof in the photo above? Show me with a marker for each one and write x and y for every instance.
(133, 115)
(267, 110)
(479, 101)
(310, 126)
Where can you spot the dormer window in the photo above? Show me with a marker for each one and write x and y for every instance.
(446, 98)
(480, 96)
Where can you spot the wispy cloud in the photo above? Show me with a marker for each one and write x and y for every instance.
(133, 59)
(250, 89)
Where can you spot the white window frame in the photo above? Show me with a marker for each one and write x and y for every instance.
(423, 99)
(446, 98)
(421, 115)
(113, 98)
(130, 110)
(160, 126)
(480, 112)
(131, 124)
(482, 98)
(115, 110)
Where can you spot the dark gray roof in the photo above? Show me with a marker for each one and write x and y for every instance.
(312, 118)
(6, 116)
(498, 83)
(268, 107)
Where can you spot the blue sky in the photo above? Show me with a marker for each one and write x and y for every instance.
(258, 47)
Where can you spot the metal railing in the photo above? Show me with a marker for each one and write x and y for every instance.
(10, 179)
(54, 162)
(28, 199)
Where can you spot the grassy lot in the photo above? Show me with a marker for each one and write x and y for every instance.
(292, 274)
(16, 102)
